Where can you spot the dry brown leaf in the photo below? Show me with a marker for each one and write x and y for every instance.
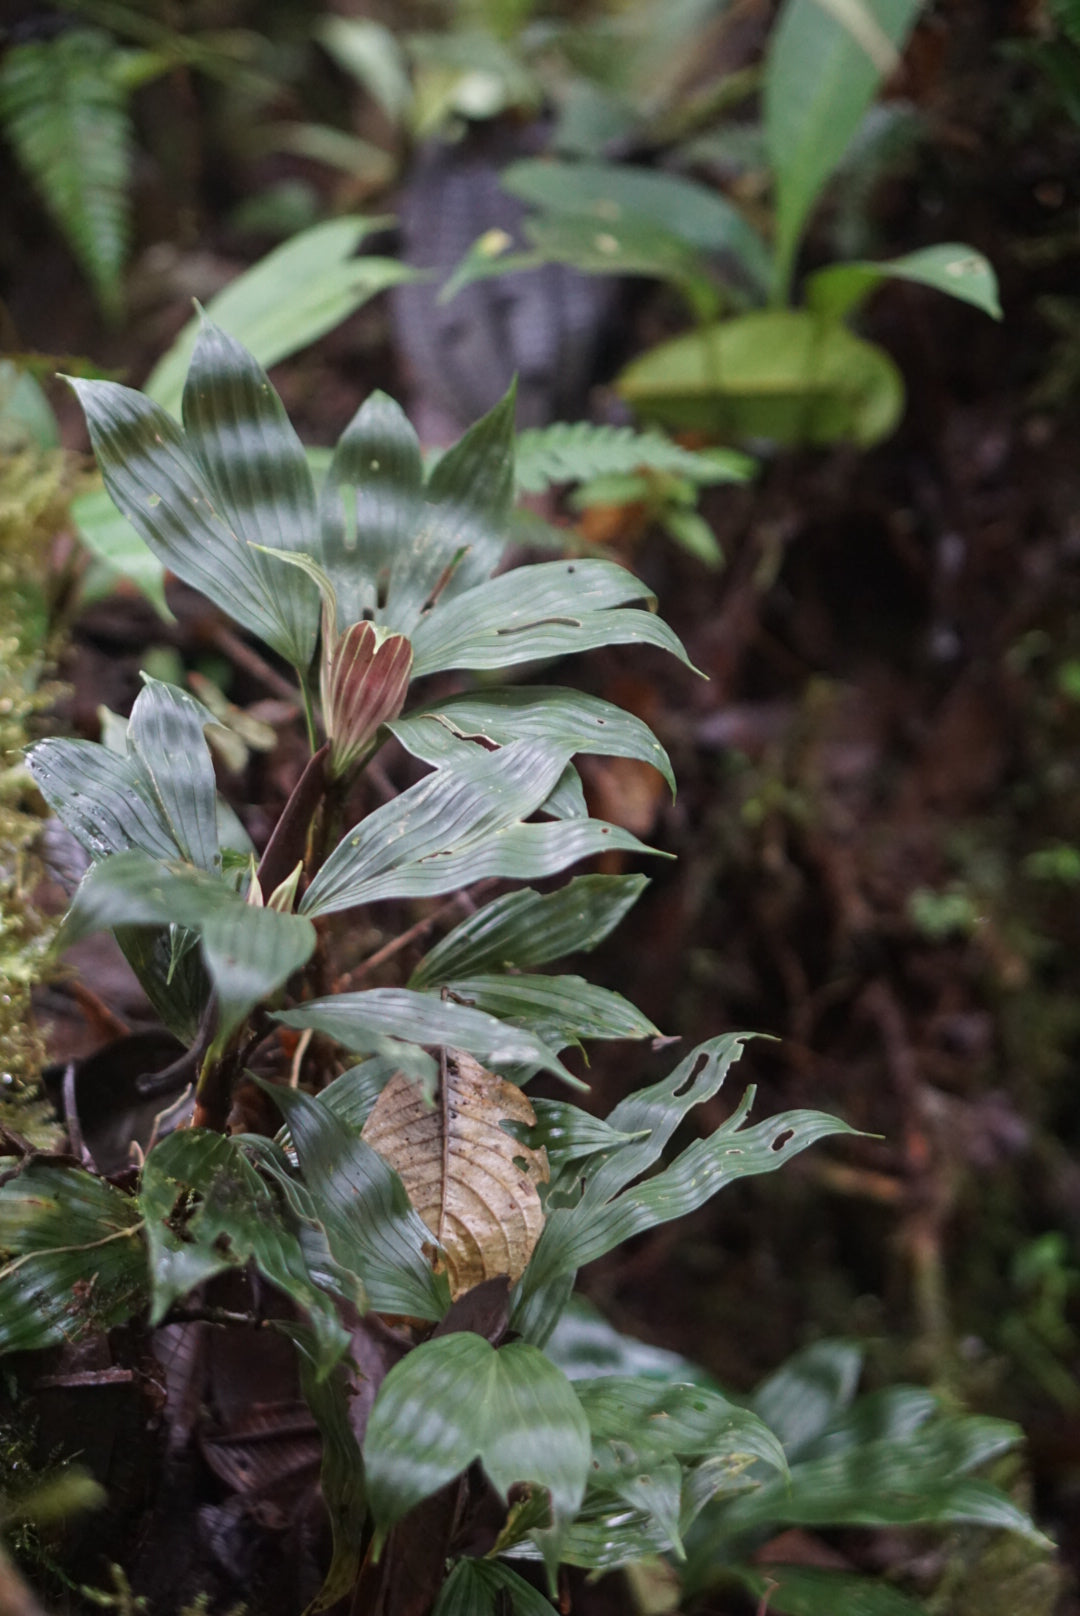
(472, 1183)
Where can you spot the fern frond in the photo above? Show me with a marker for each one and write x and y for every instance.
(65, 113)
(578, 451)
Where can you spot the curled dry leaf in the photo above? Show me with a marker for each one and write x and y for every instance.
(472, 1183)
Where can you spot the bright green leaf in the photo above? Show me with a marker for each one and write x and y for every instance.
(784, 374)
(949, 267)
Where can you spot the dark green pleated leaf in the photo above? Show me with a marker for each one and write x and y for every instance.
(98, 797)
(483, 1587)
(613, 1208)
(155, 478)
(568, 1134)
(341, 1474)
(457, 1399)
(165, 736)
(463, 526)
(361, 1203)
(65, 112)
(352, 1095)
(248, 952)
(633, 1420)
(169, 966)
(584, 1344)
(528, 928)
(809, 1392)
(111, 537)
(581, 723)
(457, 826)
(235, 1219)
(160, 795)
(423, 1019)
(254, 464)
(560, 1010)
(371, 505)
(810, 1591)
(75, 1263)
(548, 610)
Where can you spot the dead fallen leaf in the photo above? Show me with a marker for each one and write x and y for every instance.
(472, 1183)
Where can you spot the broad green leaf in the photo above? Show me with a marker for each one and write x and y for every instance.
(459, 826)
(249, 952)
(607, 192)
(154, 478)
(463, 527)
(371, 1226)
(784, 374)
(237, 1219)
(65, 113)
(372, 504)
(113, 540)
(372, 54)
(76, 1263)
(820, 79)
(579, 451)
(254, 467)
(457, 1399)
(949, 267)
(560, 1010)
(482, 1587)
(168, 964)
(612, 1208)
(808, 1392)
(421, 1018)
(287, 300)
(568, 718)
(547, 610)
(567, 1134)
(630, 245)
(810, 1591)
(528, 928)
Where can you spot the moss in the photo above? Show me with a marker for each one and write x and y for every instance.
(35, 487)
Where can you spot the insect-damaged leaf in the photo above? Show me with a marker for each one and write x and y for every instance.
(471, 1182)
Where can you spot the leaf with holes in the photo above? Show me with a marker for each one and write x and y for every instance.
(560, 1010)
(474, 1185)
(612, 1207)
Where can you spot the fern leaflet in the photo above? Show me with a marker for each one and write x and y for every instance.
(578, 451)
(65, 113)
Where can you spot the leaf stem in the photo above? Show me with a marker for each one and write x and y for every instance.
(309, 716)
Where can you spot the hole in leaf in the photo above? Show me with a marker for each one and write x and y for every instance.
(695, 1072)
(783, 1138)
